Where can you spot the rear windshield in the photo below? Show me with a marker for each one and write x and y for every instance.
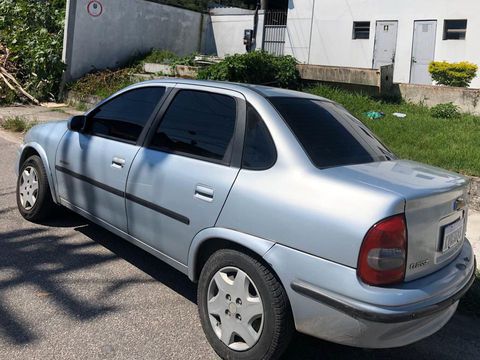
(329, 134)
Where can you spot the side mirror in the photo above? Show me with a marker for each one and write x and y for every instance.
(77, 123)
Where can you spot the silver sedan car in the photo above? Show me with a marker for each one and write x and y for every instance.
(285, 209)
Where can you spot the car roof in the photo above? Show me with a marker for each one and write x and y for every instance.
(265, 91)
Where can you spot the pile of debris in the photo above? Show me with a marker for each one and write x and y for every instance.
(7, 76)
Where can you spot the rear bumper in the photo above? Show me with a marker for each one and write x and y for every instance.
(398, 316)
(329, 302)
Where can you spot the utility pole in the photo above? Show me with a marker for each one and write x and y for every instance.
(264, 4)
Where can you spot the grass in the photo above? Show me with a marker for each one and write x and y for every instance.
(18, 124)
(448, 143)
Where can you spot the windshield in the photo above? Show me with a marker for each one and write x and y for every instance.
(329, 134)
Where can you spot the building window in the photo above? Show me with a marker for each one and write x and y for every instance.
(361, 30)
(454, 29)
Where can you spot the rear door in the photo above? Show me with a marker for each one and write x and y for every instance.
(423, 51)
(92, 165)
(385, 43)
(180, 180)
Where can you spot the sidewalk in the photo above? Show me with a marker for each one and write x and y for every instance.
(47, 112)
(473, 233)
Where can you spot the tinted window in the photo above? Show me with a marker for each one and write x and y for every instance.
(259, 150)
(198, 123)
(329, 134)
(361, 30)
(455, 30)
(124, 117)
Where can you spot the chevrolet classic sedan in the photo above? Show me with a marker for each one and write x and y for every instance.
(285, 209)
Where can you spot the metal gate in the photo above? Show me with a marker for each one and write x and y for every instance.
(274, 31)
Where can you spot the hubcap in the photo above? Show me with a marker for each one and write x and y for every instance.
(235, 308)
(28, 188)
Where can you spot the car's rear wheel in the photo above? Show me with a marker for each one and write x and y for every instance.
(243, 308)
(34, 199)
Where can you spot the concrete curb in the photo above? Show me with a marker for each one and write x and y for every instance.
(473, 233)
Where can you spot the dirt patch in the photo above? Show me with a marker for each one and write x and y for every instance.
(474, 193)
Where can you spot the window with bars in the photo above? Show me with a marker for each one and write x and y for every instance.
(361, 30)
(454, 29)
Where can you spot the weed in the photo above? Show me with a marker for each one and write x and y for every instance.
(18, 124)
(445, 111)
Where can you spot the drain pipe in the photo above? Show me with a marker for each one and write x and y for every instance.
(255, 28)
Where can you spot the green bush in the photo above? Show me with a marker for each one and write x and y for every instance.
(33, 32)
(453, 74)
(257, 67)
(445, 111)
(158, 56)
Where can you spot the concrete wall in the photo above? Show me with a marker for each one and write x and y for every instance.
(326, 38)
(228, 26)
(125, 28)
(374, 81)
(468, 100)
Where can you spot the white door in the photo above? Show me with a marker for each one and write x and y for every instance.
(385, 43)
(423, 51)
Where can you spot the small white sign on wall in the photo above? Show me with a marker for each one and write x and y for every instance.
(95, 8)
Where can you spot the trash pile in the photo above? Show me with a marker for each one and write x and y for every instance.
(7, 76)
(375, 115)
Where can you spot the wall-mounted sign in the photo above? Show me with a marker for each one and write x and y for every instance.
(95, 8)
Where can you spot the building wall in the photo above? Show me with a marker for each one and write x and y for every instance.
(327, 38)
(126, 28)
(229, 25)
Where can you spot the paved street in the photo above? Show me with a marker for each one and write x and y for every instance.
(71, 290)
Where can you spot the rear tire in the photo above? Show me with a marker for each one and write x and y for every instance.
(34, 199)
(226, 314)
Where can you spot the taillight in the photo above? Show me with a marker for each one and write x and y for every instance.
(383, 253)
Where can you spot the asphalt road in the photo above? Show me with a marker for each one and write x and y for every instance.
(71, 290)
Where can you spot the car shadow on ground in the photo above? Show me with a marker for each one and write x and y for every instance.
(139, 258)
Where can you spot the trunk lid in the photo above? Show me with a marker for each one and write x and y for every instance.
(435, 209)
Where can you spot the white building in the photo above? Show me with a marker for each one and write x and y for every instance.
(370, 33)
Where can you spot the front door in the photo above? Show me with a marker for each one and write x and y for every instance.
(423, 51)
(180, 180)
(92, 165)
(385, 43)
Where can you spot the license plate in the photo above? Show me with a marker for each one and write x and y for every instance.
(452, 235)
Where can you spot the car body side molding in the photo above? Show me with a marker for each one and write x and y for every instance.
(145, 203)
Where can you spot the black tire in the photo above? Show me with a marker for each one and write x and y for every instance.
(278, 321)
(44, 204)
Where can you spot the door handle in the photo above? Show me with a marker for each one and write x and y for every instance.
(204, 193)
(118, 163)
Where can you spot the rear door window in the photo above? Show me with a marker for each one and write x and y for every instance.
(329, 134)
(198, 124)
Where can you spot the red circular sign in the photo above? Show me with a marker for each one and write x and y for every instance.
(95, 8)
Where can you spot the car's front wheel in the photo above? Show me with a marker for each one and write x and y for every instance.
(34, 199)
(243, 308)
